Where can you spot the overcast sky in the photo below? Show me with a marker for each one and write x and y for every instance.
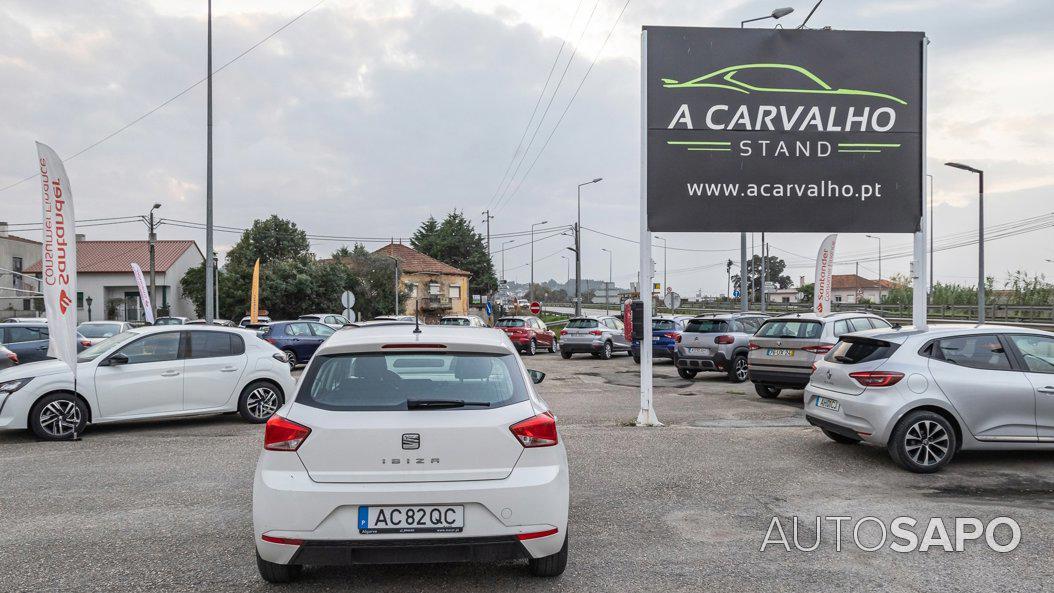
(363, 118)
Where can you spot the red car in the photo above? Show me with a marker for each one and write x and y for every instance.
(528, 333)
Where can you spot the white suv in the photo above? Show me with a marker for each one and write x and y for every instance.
(412, 445)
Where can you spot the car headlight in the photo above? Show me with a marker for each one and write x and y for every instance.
(9, 387)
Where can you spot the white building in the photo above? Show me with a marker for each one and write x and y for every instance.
(845, 288)
(16, 291)
(105, 279)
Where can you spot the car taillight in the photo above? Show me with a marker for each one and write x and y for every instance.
(85, 343)
(814, 367)
(563, 332)
(670, 335)
(284, 435)
(753, 346)
(724, 339)
(677, 339)
(818, 349)
(877, 378)
(271, 340)
(12, 357)
(596, 332)
(539, 431)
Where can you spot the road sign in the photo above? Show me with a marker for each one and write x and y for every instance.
(672, 300)
(735, 294)
(783, 130)
(349, 314)
(488, 308)
(347, 299)
(536, 308)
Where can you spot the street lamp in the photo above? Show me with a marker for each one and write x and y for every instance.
(530, 288)
(665, 278)
(775, 14)
(611, 285)
(930, 176)
(578, 248)
(503, 257)
(980, 235)
(88, 300)
(152, 238)
(879, 239)
(568, 262)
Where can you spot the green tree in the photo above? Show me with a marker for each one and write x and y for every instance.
(774, 267)
(273, 239)
(456, 242)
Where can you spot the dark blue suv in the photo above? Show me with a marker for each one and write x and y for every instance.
(29, 341)
(297, 339)
(665, 331)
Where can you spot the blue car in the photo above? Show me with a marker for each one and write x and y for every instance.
(297, 339)
(665, 332)
(29, 341)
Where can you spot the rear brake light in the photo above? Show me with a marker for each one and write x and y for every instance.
(596, 332)
(670, 335)
(677, 339)
(877, 378)
(289, 541)
(12, 357)
(539, 431)
(271, 340)
(411, 346)
(563, 332)
(536, 534)
(85, 343)
(753, 346)
(724, 339)
(818, 349)
(284, 435)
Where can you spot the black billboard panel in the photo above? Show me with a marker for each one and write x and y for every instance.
(784, 130)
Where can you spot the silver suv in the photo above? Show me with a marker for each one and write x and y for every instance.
(599, 335)
(783, 351)
(717, 343)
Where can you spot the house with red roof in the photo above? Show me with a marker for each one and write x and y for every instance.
(18, 292)
(106, 287)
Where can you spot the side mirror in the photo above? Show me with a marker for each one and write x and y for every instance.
(116, 359)
(536, 376)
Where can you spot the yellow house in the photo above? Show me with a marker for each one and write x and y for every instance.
(440, 289)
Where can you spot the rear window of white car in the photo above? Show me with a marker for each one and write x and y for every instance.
(582, 324)
(377, 382)
(460, 321)
(706, 326)
(790, 328)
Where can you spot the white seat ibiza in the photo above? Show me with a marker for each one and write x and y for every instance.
(408, 446)
(149, 372)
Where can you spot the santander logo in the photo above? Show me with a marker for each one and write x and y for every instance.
(64, 301)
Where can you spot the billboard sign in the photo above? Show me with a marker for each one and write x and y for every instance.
(784, 130)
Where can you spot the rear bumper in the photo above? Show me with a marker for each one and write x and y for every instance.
(288, 504)
(658, 350)
(780, 378)
(717, 362)
(469, 549)
(581, 346)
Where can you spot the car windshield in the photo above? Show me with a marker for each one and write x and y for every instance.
(790, 328)
(510, 323)
(454, 321)
(663, 324)
(706, 326)
(92, 352)
(167, 321)
(99, 330)
(582, 324)
(417, 381)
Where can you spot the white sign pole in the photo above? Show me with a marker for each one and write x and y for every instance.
(920, 270)
(647, 416)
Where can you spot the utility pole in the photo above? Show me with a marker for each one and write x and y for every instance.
(210, 288)
(728, 273)
(879, 239)
(503, 258)
(611, 284)
(216, 267)
(764, 271)
(931, 233)
(743, 272)
(530, 288)
(980, 238)
(152, 238)
(665, 270)
(486, 218)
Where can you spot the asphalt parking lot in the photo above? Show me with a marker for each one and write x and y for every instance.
(685, 507)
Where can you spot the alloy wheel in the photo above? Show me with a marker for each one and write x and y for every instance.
(926, 443)
(60, 418)
(290, 358)
(262, 402)
(741, 369)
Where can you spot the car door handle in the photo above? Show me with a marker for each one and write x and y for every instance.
(228, 369)
(1047, 389)
(170, 374)
(42, 347)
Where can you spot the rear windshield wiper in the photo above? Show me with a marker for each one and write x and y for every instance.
(844, 359)
(418, 404)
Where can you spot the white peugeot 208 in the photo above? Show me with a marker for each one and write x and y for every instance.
(412, 445)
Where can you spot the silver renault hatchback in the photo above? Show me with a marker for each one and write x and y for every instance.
(925, 395)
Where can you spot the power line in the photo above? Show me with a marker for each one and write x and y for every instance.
(173, 97)
(568, 106)
(538, 102)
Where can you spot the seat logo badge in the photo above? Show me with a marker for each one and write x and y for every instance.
(411, 440)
